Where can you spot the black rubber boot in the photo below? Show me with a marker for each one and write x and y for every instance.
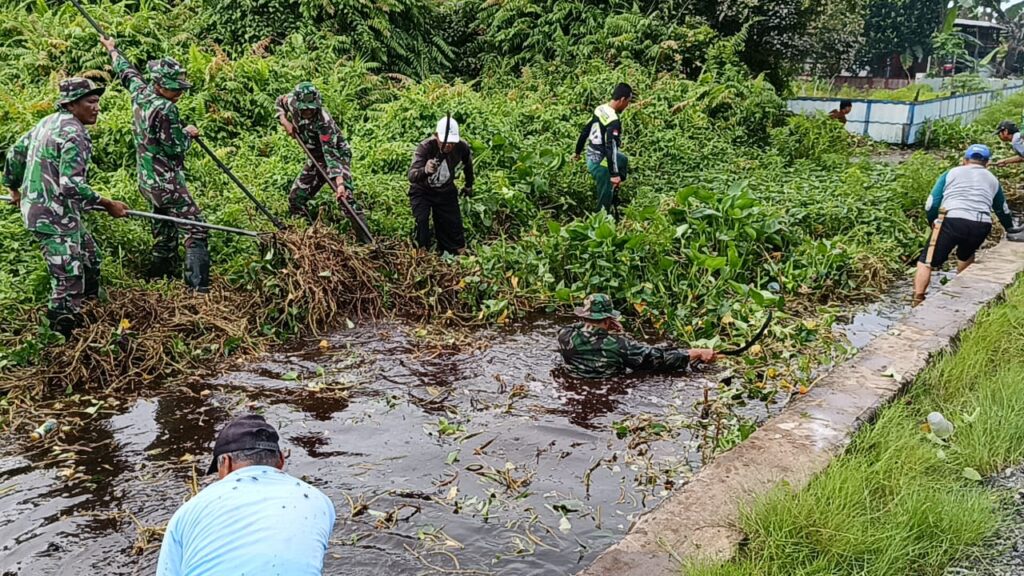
(197, 268)
(363, 238)
(162, 267)
(92, 283)
(63, 322)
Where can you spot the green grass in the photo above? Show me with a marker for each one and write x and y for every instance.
(896, 502)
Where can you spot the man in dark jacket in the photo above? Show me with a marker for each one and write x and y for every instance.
(432, 187)
(602, 137)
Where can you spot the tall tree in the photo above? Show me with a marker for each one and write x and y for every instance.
(899, 30)
(778, 38)
(1011, 18)
(836, 35)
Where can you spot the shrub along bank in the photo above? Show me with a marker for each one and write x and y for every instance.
(899, 501)
(733, 206)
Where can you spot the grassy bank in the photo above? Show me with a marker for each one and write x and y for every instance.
(898, 502)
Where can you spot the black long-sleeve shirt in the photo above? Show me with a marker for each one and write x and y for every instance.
(602, 136)
(442, 180)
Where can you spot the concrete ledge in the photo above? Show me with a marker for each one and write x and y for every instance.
(700, 520)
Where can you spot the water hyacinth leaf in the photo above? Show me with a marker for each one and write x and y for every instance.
(714, 263)
(704, 212)
(604, 232)
(764, 298)
(684, 195)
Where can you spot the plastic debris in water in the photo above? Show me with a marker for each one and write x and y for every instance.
(44, 429)
(939, 426)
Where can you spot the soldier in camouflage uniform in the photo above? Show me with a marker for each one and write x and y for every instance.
(47, 172)
(596, 348)
(160, 146)
(303, 117)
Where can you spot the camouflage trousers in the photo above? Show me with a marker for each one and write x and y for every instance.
(179, 204)
(305, 187)
(73, 262)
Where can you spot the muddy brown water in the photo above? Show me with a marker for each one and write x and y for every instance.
(527, 477)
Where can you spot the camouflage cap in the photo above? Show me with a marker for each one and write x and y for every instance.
(597, 307)
(307, 97)
(168, 74)
(76, 88)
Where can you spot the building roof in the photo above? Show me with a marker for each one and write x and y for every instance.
(976, 24)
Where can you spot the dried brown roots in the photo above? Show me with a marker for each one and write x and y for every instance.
(313, 280)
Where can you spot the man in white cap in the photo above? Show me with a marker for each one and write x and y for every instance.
(432, 188)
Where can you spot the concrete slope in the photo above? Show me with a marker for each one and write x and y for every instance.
(700, 519)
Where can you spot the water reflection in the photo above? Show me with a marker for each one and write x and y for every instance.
(487, 443)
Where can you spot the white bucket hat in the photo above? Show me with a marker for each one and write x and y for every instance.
(449, 126)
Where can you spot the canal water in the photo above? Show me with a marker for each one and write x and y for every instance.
(443, 453)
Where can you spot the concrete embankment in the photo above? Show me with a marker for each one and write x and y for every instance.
(701, 519)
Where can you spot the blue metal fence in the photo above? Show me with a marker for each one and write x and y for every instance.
(900, 122)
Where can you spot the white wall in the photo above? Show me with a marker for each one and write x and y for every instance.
(905, 123)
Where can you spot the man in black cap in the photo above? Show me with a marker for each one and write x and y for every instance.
(1008, 132)
(255, 520)
(602, 137)
(596, 347)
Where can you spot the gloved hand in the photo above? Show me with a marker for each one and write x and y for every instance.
(467, 192)
(431, 166)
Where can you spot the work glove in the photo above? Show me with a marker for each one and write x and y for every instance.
(431, 166)
(467, 192)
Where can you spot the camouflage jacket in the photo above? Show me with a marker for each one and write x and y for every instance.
(160, 139)
(321, 135)
(49, 166)
(591, 352)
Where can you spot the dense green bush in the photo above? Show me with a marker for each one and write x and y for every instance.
(733, 204)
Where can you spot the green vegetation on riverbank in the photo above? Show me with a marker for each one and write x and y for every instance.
(899, 502)
(733, 205)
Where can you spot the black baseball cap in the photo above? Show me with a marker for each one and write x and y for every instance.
(249, 432)
(1007, 125)
(623, 90)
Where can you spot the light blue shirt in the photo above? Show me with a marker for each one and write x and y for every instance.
(257, 521)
